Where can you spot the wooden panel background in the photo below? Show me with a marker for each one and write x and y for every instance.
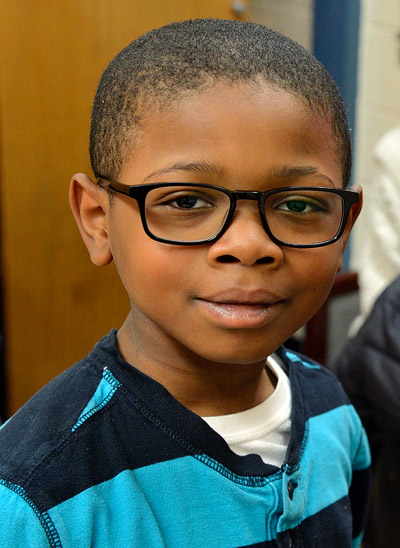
(56, 304)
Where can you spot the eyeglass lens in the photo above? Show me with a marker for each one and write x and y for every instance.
(193, 214)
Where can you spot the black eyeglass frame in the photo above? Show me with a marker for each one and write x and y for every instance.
(139, 193)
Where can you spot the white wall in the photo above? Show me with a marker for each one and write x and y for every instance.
(291, 17)
(378, 101)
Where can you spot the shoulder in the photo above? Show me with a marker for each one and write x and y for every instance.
(391, 295)
(320, 403)
(381, 328)
(317, 394)
(46, 421)
(319, 383)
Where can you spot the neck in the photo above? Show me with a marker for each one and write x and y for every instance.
(205, 387)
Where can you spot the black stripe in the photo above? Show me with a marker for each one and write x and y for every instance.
(359, 497)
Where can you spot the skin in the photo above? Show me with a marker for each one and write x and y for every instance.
(203, 319)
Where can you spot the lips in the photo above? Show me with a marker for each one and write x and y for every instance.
(237, 308)
(241, 296)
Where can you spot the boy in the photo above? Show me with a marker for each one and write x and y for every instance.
(191, 426)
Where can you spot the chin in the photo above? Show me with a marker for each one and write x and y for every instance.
(244, 355)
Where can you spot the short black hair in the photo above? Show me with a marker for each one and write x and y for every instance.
(193, 55)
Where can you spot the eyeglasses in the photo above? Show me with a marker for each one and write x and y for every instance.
(196, 214)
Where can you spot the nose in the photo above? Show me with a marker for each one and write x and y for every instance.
(245, 241)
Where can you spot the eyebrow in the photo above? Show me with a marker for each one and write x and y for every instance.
(294, 172)
(278, 172)
(200, 167)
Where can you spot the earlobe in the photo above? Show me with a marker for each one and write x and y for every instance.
(90, 206)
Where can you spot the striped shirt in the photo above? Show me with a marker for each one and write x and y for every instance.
(105, 457)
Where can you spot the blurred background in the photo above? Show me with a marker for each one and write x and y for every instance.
(54, 304)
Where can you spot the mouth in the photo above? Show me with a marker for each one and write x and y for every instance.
(238, 309)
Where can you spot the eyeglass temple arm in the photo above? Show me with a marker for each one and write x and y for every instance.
(113, 185)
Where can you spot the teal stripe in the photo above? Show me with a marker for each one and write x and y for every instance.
(363, 454)
(356, 542)
(157, 506)
(297, 359)
(104, 392)
(21, 523)
(332, 445)
(4, 423)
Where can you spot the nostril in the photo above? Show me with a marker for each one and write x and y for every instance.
(228, 259)
(231, 259)
(265, 260)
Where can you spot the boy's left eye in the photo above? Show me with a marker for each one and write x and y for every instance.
(300, 205)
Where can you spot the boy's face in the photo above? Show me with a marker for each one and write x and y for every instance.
(236, 300)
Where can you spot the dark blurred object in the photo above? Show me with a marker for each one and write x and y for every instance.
(369, 369)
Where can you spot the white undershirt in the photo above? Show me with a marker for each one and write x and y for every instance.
(263, 429)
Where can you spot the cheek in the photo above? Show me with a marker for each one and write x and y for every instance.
(315, 272)
(145, 267)
(153, 275)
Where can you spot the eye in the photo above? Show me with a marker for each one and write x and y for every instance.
(182, 200)
(300, 204)
(189, 201)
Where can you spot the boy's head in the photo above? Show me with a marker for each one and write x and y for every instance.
(221, 133)
(190, 56)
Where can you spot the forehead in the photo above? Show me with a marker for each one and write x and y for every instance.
(244, 131)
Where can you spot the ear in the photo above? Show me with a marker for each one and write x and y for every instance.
(353, 215)
(90, 206)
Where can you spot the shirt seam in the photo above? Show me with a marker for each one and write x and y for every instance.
(114, 384)
(43, 518)
(178, 439)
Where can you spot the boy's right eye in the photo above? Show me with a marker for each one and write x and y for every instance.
(189, 202)
(182, 200)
